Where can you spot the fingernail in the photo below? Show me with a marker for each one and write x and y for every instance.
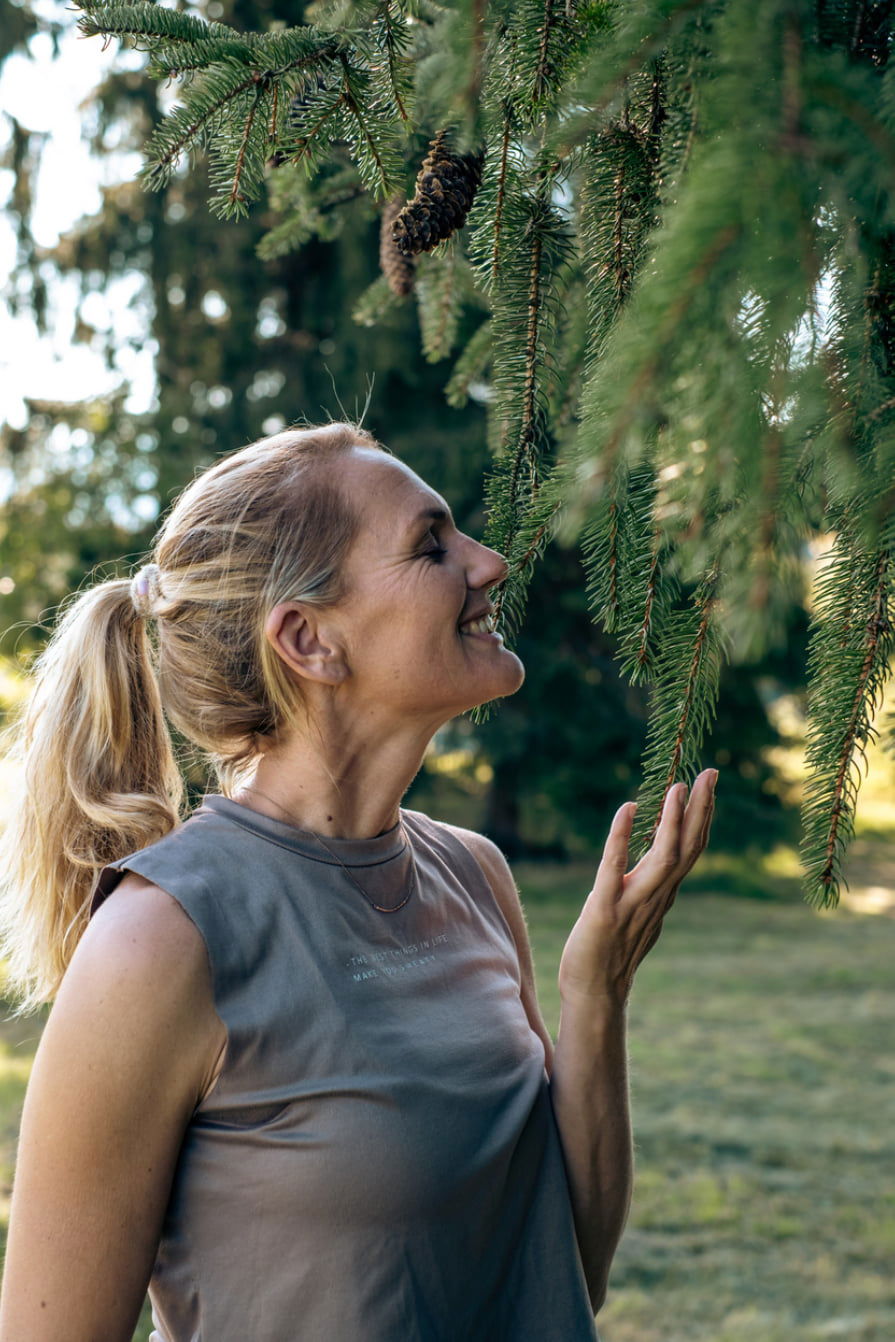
(714, 777)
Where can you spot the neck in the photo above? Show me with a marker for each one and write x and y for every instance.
(350, 788)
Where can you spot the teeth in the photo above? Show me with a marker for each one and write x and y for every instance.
(480, 626)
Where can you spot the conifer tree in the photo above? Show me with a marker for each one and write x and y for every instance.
(677, 221)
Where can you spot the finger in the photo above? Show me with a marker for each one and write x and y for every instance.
(689, 860)
(667, 844)
(708, 825)
(614, 861)
(662, 855)
(697, 817)
(692, 851)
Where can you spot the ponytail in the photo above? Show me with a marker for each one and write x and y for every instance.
(94, 778)
(97, 774)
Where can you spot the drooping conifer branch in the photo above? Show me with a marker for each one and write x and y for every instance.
(641, 45)
(178, 133)
(351, 103)
(704, 603)
(685, 691)
(850, 659)
(152, 23)
(244, 142)
(501, 194)
(394, 47)
(593, 483)
(544, 80)
(159, 171)
(674, 160)
(522, 426)
(643, 653)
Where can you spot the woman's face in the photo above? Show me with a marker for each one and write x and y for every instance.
(411, 580)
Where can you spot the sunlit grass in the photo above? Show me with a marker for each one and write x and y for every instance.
(761, 1072)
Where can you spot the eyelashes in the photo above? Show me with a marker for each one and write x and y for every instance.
(436, 554)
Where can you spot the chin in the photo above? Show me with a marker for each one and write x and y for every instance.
(511, 680)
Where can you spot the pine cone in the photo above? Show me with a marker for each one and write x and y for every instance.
(397, 268)
(445, 188)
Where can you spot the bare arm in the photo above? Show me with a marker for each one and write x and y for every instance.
(589, 1090)
(128, 1048)
(619, 923)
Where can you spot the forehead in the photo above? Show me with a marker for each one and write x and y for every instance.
(391, 495)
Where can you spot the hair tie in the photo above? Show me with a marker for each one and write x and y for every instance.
(145, 590)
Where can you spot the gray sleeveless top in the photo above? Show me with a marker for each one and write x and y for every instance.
(378, 1159)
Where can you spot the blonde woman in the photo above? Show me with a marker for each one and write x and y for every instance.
(295, 1079)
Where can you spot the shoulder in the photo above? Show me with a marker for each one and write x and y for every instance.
(502, 882)
(140, 943)
(141, 922)
(141, 974)
(191, 865)
(490, 858)
(500, 878)
(487, 853)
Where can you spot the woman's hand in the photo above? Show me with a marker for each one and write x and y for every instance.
(622, 916)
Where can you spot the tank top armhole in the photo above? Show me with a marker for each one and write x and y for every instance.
(109, 879)
(471, 865)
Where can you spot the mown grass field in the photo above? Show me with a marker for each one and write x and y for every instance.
(760, 1041)
(761, 1071)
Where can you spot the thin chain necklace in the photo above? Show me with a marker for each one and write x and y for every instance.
(380, 908)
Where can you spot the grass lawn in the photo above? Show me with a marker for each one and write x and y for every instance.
(761, 1077)
(761, 1071)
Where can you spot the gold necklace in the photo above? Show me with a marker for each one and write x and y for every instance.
(380, 908)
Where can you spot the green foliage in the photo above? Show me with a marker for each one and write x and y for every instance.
(684, 241)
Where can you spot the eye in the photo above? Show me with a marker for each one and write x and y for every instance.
(436, 554)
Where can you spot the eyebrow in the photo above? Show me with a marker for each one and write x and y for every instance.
(430, 515)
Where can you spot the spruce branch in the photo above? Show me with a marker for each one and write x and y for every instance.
(438, 302)
(390, 31)
(235, 197)
(185, 126)
(849, 655)
(653, 229)
(470, 364)
(685, 692)
(593, 476)
(494, 269)
(151, 22)
(542, 249)
(641, 37)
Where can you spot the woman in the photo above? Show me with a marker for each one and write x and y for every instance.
(295, 1078)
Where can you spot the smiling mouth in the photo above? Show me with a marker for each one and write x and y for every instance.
(480, 629)
(483, 625)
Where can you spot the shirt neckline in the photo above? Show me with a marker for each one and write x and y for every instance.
(352, 852)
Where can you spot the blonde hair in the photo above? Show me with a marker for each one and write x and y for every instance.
(98, 777)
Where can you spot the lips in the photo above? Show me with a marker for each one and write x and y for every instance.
(483, 612)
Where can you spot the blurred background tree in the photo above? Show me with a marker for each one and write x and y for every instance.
(246, 342)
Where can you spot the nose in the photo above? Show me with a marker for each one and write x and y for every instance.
(490, 569)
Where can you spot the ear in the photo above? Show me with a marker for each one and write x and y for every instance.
(296, 635)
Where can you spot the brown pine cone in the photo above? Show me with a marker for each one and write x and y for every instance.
(397, 268)
(445, 188)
